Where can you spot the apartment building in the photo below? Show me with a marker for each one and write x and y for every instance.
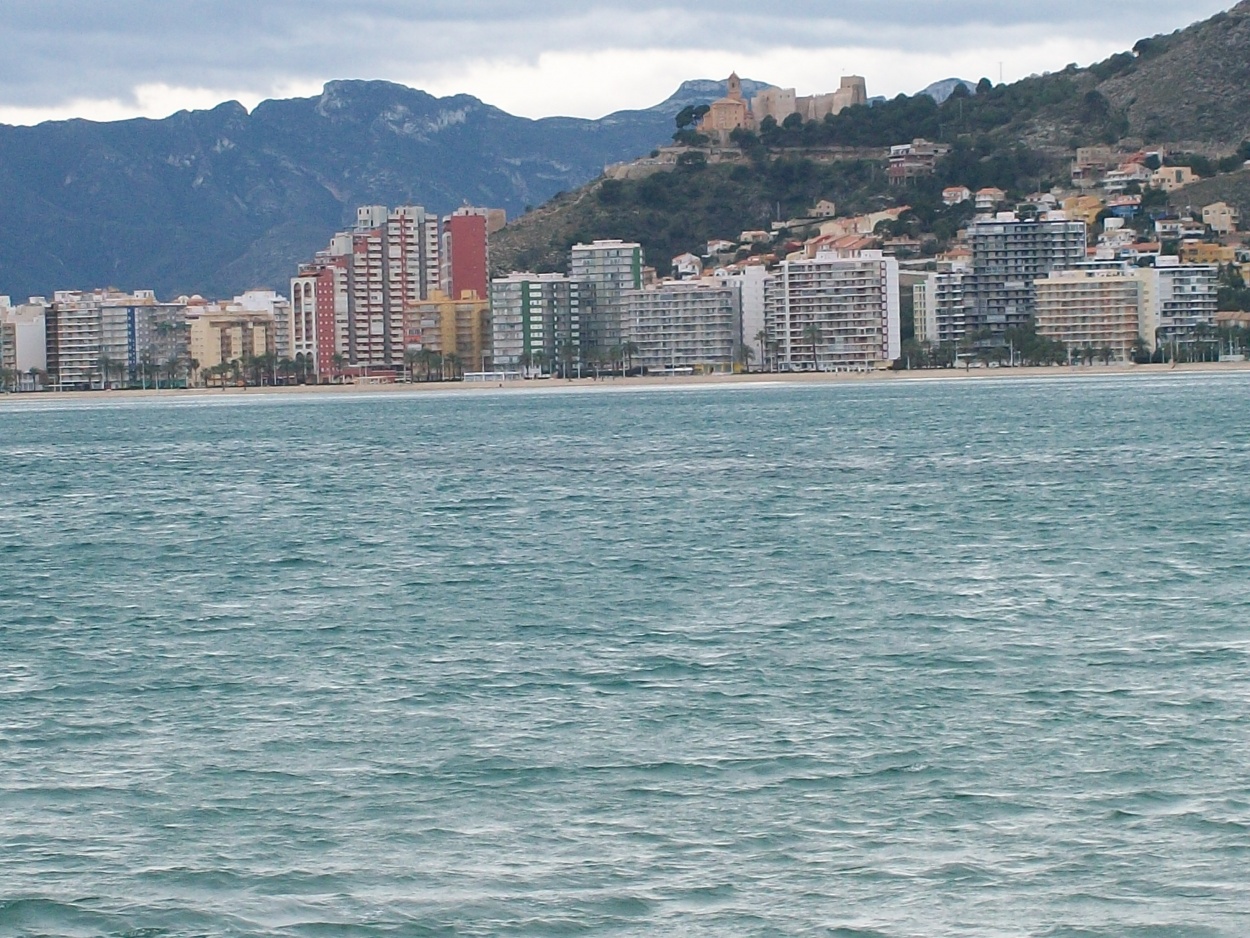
(350, 301)
(1009, 255)
(1096, 308)
(140, 334)
(835, 314)
(222, 335)
(448, 326)
(318, 313)
(74, 337)
(1111, 305)
(1188, 297)
(938, 306)
(25, 346)
(610, 268)
(680, 324)
(536, 322)
(466, 255)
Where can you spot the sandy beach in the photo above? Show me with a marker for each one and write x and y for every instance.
(658, 382)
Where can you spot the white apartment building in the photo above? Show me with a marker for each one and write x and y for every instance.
(536, 322)
(610, 268)
(684, 324)
(938, 305)
(74, 337)
(277, 306)
(835, 314)
(24, 339)
(750, 283)
(1188, 296)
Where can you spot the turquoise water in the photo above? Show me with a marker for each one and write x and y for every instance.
(887, 659)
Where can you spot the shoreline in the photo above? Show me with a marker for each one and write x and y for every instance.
(654, 382)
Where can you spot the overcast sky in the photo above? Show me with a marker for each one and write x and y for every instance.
(108, 59)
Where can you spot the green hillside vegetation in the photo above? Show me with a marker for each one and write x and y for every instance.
(675, 212)
(1188, 91)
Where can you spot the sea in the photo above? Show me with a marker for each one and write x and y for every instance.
(882, 659)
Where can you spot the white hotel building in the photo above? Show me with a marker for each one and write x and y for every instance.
(835, 314)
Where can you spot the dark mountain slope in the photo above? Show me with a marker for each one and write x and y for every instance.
(217, 201)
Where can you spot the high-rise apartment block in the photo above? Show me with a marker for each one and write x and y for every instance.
(695, 324)
(1095, 308)
(456, 328)
(1115, 306)
(466, 253)
(1188, 297)
(102, 337)
(536, 321)
(830, 313)
(1009, 255)
(610, 268)
(938, 303)
(351, 306)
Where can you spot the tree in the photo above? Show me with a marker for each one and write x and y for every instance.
(743, 355)
(105, 364)
(813, 336)
(629, 350)
(340, 363)
(412, 358)
(568, 352)
(761, 339)
(173, 367)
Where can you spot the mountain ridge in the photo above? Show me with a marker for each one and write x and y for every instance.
(217, 200)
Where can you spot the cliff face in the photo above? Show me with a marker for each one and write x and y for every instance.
(217, 201)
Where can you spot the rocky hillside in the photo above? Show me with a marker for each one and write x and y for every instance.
(218, 201)
(1192, 86)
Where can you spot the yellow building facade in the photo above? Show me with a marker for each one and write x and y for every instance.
(447, 326)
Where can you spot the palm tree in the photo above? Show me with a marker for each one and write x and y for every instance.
(172, 368)
(567, 353)
(594, 357)
(744, 353)
(629, 350)
(813, 336)
(761, 339)
(453, 363)
(105, 364)
(411, 357)
(340, 363)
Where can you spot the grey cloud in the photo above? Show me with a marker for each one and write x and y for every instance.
(61, 50)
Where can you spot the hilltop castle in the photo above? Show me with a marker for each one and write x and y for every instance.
(733, 111)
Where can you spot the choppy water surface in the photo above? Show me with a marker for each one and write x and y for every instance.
(866, 660)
